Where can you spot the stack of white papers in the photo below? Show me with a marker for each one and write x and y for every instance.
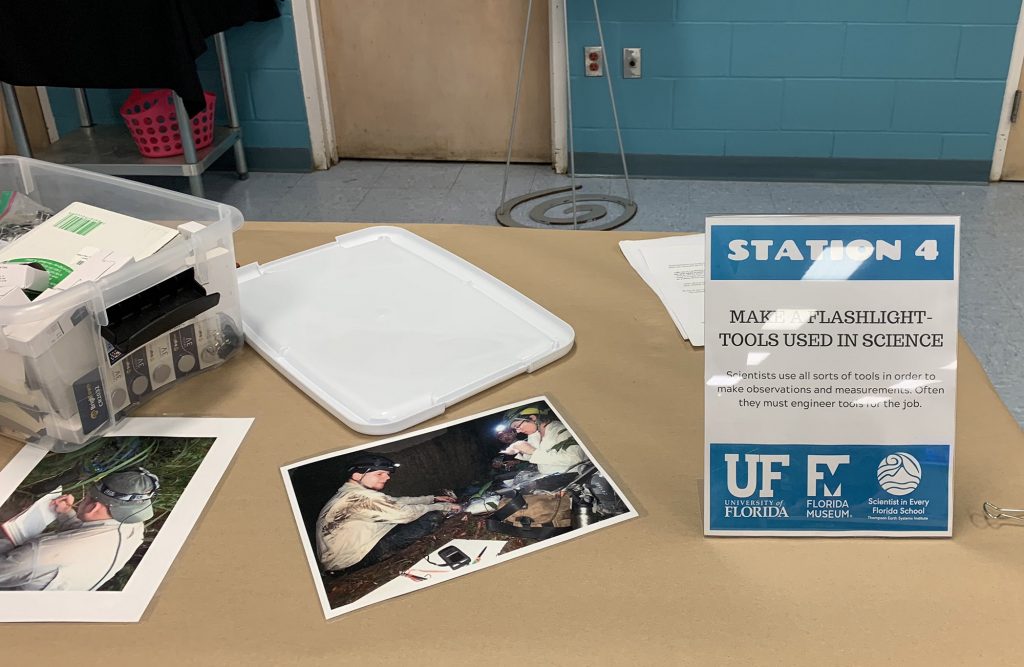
(81, 232)
(674, 268)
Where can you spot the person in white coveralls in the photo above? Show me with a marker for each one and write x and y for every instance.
(361, 526)
(91, 544)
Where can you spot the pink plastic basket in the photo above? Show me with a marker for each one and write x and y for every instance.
(153, 122)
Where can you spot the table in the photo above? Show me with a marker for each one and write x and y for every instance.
(650, 591)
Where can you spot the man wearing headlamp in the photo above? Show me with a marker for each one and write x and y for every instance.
(361, 526)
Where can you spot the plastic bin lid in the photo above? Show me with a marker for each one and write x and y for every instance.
(385, 329)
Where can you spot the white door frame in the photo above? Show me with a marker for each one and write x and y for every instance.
(48, 119)
(559, 86)
(1012, 79)
(317, 94)
(49, 122)
(313, 71)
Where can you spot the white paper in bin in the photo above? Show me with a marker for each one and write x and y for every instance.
(385, 329)
(45, 347)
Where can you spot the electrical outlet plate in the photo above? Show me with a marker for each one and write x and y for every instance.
(631, 63)
(593, 61)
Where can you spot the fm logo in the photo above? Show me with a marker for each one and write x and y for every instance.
(764, 469)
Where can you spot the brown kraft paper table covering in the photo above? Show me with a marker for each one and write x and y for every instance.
(650, 591)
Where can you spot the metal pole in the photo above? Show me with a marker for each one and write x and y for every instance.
(221, 44)
(18, 132)
(515, 105)
(611, 96)
(592, 211)
(188, 145)
(84, 113)
(568, 99)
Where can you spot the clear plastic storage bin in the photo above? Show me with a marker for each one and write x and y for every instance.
(71, 365)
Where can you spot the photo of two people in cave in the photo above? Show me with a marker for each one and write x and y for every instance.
(402, 514)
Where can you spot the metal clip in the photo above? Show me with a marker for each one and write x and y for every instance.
(1000, 513)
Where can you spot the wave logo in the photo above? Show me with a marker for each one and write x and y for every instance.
(899, 474)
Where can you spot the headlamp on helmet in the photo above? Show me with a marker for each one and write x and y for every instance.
(522, 414)
(127, 494)
(370, 463)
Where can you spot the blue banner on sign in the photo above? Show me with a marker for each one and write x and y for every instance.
(829, 487)
(832, 252)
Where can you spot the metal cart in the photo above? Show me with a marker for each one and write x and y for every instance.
(109, 149)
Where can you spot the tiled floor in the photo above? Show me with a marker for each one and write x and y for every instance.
(992, 267)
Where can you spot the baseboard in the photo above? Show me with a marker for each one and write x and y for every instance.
(785, 168)
(298, 160)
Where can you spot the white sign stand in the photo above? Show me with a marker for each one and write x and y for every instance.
(830, 375)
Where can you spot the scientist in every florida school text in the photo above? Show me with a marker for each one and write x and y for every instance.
(91, 544)
(361, 526)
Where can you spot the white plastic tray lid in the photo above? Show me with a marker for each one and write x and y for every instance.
(385, 329)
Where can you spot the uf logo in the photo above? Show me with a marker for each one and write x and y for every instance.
(754, 461)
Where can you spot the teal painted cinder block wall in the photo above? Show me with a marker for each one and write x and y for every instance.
(888, 79)
(265, 66)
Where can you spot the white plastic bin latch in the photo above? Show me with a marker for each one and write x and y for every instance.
(190, 231)
(99, 306)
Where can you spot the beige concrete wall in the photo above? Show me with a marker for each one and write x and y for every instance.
(435, 79)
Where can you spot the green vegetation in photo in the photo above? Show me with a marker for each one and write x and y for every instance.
(173, 460)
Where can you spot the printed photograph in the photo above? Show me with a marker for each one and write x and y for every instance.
(403, 514)
(92, 519)
(83, 521)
